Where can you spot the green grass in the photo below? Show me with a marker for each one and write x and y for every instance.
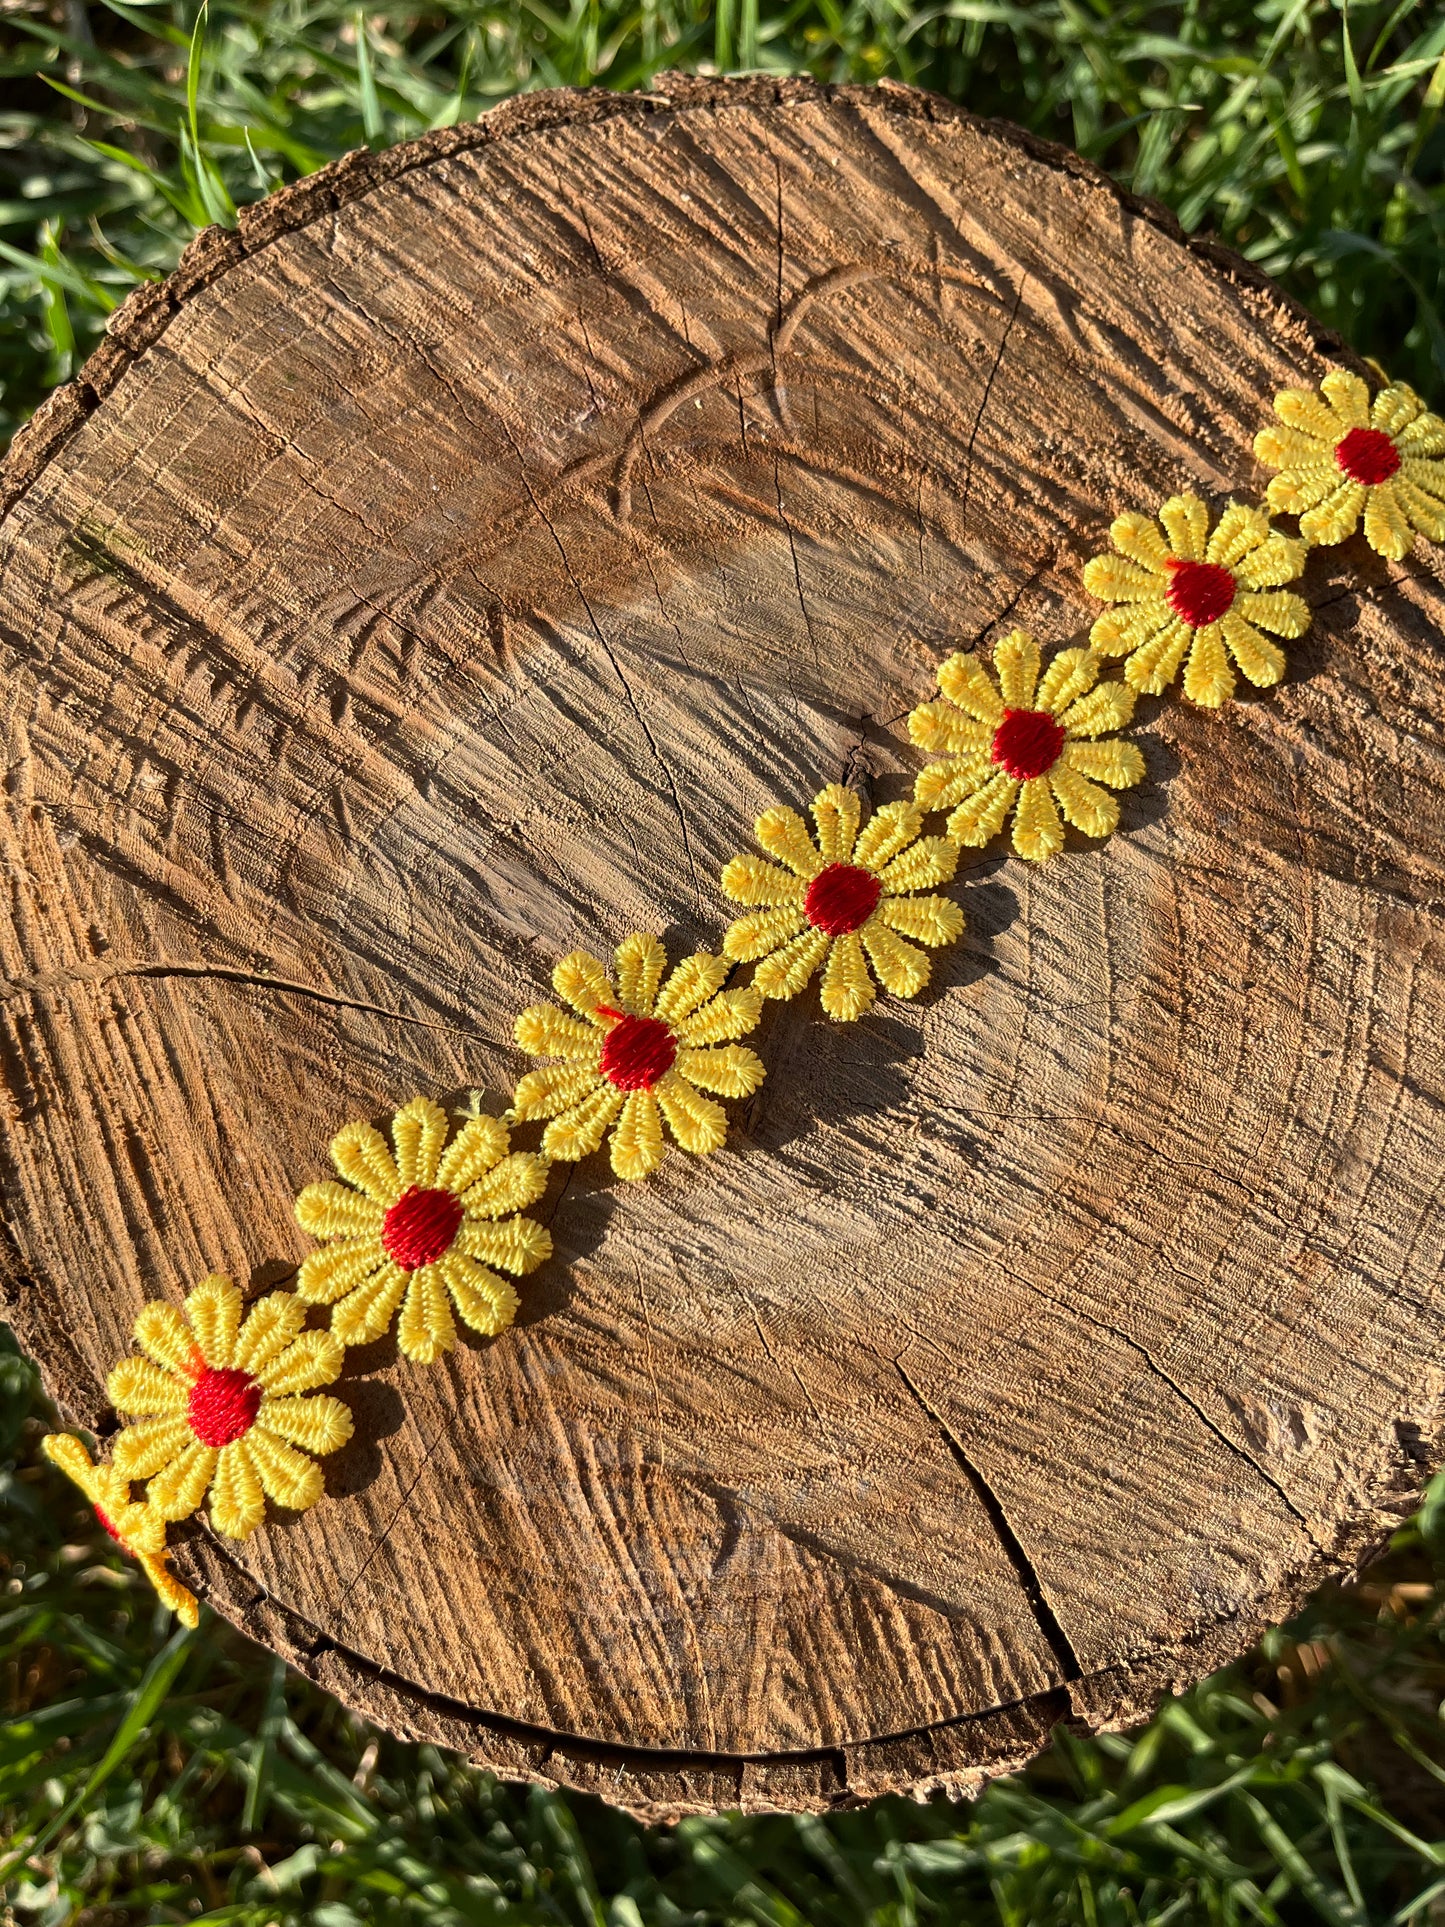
(148, 1774)
(152, 1776)
(1308, 135)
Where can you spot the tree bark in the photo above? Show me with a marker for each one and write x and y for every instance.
(439, 574)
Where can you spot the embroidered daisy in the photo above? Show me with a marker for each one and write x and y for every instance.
(219, 1405)
(1026, 746)
(1339, 454)
(136, 1529)
(637, 1055)
(1188, 593)
(425, 1229)
(842, 902)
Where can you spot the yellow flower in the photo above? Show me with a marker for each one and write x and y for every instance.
(219, 1408)
(137, 1529)
(420, 1228)
(1189, 592)
(1338, 454)
(846, 898)
(637, 1054)
(1026, 746)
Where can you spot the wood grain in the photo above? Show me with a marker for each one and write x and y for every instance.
(441, 573)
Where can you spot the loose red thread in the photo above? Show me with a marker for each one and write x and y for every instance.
(223, 1405)
(637, 1050)
(1027, 743)
(1199, 592)
(841, 898)
(106, 1522)
(419, 1227)
(1367, 455)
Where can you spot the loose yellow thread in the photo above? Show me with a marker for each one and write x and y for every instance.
(426, 1228)
(637, 1055)
(1026, 746)
(842, 902)
(220, 1406)
(1186, 594)
(1339, 456)
(136, 1528)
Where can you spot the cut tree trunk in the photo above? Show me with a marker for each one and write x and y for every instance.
(440, 573)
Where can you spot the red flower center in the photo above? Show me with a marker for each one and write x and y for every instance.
(1199, 592)
(841, 898)
(419, 1228)
(1367, 455)
(105, 1521)
(637, 1051)
(1027, 742)
(224, 1404)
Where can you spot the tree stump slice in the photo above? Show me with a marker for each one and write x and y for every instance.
(440, 573)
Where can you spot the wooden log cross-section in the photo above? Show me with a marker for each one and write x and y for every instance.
(440, 573)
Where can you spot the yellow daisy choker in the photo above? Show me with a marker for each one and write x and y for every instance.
(225, 1403)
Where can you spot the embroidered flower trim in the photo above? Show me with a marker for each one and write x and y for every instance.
(637, 1055)
(1026, 747)
(1189, 595)
(137, 1529)
(842, 902)
(1340, 455)
(426, 1229)
(219, 1406)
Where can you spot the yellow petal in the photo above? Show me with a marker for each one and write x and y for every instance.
(637, 1147)
(790, 969)
(238, 1500)
(1071, 674)
(426, 1327)
(761, 933)
(1425, 436)
(900, 966)
(1137, 537)
(1277, 560)
(519, 1180)
(328, 1275)
(692, 982)
(784, 834)
(1118, 632)
(164, 1335)
(1038, 833)
(270, 1326)
(169, 1590)
(359, 1153)
(213, 1312)
(365, 1313)
(836, 812)
(732, 1013)
(332, 1210)
(1208, 678)
(544, 1031)
(946, 731)
(318, 1424)
(1280, 612)
(1348, 397)
(1120, 765)
(581, 981)
(1336, 517)
(965, 682)
(479, 1148)
(732, 1070)
(980, 817)
(516, 1244)
(847, 989)
(1108, 706)
(288, 1478)
(752, 879)
(699, 1125)
(579, 1131)
(1260, 660)
(1426, 476)
(1422, 511)
(931, 920)
(940, 785)
(1114, 579)
(64, 1450)
(179, 1485)
(640, 961)
(418, 1132)
(889, 831)
(1016, 659)
(932, 860)
(483, 1300)
(1293, 448)
(1298, 489)
(1154, 664)
(1386, 529)
(1303, 409)
(554, 1089)
(1186, 523)
(1240, 530)
(135, 1385)
(1083, 803)
(315, 1358)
